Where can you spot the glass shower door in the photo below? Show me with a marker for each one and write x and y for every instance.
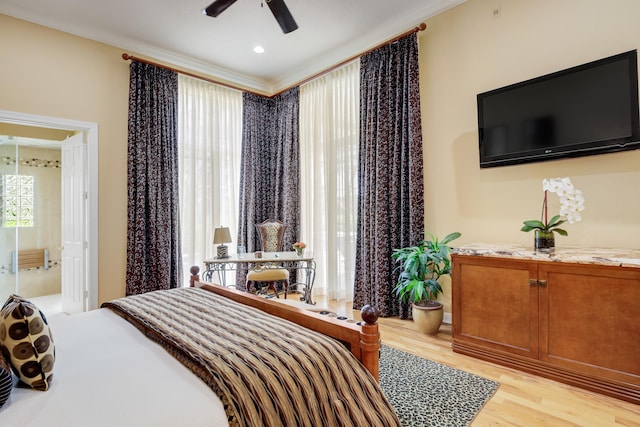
(8, 232)
(30, 217)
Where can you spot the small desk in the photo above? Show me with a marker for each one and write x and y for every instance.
(289, 260)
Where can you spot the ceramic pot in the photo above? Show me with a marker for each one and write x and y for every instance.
(428, 318)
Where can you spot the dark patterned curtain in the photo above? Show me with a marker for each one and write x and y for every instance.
(270, 167)
(154, 258)
(390, 199)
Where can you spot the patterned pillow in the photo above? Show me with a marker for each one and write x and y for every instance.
(6, 380)
(26, 342)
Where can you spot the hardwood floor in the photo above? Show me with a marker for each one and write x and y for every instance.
(522, 399)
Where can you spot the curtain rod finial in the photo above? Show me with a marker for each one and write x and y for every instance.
(422, 26)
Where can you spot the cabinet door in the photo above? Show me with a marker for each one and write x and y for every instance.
(589, 320)
(495, 304)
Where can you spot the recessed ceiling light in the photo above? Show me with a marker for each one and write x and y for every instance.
(258, 49)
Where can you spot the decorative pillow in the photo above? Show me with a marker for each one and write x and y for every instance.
(26, 342)
(6, 380)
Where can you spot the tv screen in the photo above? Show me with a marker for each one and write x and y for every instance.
(588, 109)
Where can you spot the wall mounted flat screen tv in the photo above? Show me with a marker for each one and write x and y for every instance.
(584, 110)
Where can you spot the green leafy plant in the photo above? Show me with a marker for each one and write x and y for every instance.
(420, 268)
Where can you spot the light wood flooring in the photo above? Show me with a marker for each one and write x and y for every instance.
(522, 399)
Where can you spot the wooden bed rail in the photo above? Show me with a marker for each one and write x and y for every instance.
(363, 340)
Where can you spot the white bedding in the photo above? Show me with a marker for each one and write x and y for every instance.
(107, 373)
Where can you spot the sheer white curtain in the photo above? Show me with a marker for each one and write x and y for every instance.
(209, 143)
(329, 134)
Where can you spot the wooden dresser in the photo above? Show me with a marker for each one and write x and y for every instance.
(572, 316)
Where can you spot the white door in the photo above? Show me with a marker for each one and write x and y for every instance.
(74, 283)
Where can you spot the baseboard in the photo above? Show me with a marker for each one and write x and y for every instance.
(446, 318)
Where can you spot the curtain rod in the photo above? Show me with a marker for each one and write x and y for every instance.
(127, 57)
(420, 27)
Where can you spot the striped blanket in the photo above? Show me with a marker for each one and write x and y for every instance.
(266, 370)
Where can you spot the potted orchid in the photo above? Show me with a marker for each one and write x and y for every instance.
(299, 247)
(572, 203)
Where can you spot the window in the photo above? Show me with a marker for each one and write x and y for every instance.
(17, 200)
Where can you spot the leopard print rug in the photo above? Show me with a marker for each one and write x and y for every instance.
(427, 393)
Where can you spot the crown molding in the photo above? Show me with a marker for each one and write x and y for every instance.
(322, 62)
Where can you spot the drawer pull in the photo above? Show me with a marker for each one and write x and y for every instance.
(533, 282)
(542, 283)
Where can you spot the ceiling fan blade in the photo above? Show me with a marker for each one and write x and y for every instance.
(282, 15)
(217, 7)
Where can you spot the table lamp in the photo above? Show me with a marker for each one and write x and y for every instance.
(221, 235)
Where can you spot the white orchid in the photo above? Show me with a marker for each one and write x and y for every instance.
(571, 204)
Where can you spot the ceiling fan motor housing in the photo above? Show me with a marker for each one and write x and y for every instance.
(278, 8)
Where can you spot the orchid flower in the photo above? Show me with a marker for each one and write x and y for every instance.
(571, 204)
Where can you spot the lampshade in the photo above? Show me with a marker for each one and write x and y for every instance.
(221, 235)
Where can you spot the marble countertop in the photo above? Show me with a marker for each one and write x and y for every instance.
(597, 256)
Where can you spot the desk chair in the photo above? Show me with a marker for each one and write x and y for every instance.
(270, 233)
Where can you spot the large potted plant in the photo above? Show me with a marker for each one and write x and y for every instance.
(420, 268)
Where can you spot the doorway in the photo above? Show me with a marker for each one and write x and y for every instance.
(78, 261)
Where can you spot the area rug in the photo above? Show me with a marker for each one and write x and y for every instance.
(427, 393)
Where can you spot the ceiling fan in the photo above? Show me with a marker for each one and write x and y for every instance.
(278, 8)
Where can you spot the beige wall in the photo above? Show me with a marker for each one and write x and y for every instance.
(466, 51)
(463, 52)
(50, 73)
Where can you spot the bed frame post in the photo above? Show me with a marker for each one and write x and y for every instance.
(370, 340)
(195, 277)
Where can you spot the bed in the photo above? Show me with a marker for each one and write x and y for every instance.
(205, 356)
